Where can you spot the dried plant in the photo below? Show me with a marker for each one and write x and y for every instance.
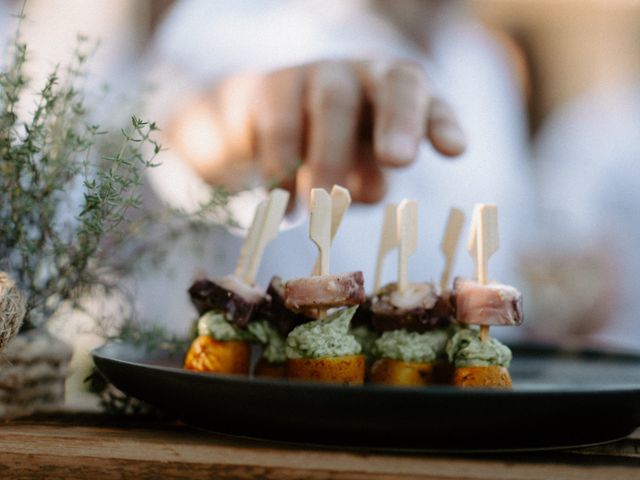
(12, 309)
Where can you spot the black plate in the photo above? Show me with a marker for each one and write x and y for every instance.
(559, 399)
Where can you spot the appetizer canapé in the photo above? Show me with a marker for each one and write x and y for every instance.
(228, 304)
(413, 339)
(317, 341)
(223, 343)
(324, 350)
(478, 362)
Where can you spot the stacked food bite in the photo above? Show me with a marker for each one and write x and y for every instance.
(229, 304)
(324, 328)
(479, 360)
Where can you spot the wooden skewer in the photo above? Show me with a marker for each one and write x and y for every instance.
(449, 244)
(320, 230)
(275, 210)
(320, 226)
(407, 233)
(340, 201)
(388, 241)
(487, 243)
(249, 244)
(472, 242)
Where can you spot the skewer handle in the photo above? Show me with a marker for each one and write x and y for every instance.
(320, 226)
(472, 242)
(407, 231)
(487, 240)
(388, 241)
(487, 243)
(340, 201)
(275, 211)
(249, 244)
(449, 244)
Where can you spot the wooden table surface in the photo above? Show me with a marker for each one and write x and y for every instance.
(72, 445)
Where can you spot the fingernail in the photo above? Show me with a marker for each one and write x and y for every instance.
(399, 146)
(451, 137)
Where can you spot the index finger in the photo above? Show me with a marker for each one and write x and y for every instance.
(400, 103)
(443, 129)
(278, 125)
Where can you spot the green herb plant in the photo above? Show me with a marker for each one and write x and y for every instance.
(70, 190)
(46, 155)
(71, 225)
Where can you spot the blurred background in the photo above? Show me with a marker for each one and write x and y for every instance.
(560, 50)
(576, 67)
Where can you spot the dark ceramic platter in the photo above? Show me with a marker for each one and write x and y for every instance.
(558, 400)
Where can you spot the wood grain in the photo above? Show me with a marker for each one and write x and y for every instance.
(80, 446)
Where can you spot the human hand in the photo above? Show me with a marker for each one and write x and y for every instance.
(345, 120)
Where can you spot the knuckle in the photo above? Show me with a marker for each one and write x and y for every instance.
(278, 129)
(279, 76)
(333, 87)
(407, 72)
(333, 97)
(265, 84)
(405, 90)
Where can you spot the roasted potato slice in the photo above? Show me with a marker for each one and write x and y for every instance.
(267, 369)
(483, 377)
(345, 370)
(207, 354)
(396, 372)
